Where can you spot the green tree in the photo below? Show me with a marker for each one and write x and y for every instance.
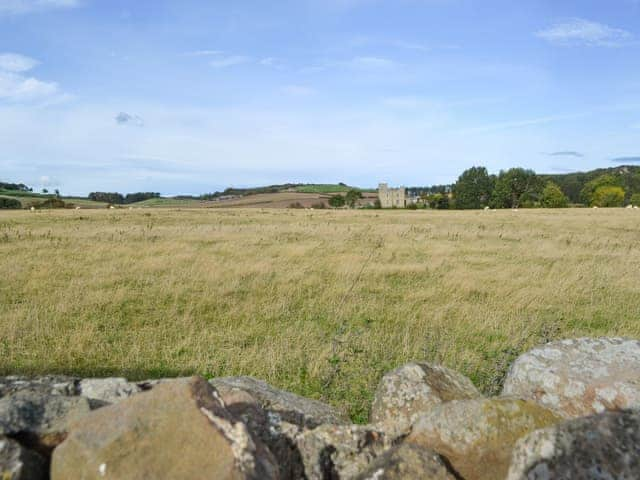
(337, 201)
(635, 200)
(473, 188)
(588, 191)
(552, 197)
(6, 202)
(608, 196)
(517, 187)
(352, 197)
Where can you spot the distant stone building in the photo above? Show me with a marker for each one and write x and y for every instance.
(391, 197)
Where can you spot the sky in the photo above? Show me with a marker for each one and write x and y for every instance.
(188, 97)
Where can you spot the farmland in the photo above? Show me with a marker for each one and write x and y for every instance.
(320, 302)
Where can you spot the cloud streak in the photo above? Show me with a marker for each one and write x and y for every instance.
(567, 153)
(18, 7)
(581, 32)
(16, 86)
(626, 160)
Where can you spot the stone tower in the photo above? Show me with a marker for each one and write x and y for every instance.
(391, 197)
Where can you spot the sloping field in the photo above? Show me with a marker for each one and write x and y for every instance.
(320, 302)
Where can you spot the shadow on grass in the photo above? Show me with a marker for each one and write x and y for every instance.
(133, 374)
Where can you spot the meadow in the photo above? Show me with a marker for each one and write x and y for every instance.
(318, 302)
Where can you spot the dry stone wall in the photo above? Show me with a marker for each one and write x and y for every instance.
(569, 409)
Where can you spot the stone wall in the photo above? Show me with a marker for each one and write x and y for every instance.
(569, 410)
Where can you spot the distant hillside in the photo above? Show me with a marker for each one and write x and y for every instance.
(285, 187)
(573, 183)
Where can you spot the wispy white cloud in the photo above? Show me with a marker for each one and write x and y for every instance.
(298, 90)
(16, 86)
(17, 7)
(578, 31)
(14, 62)
(371, 63)
(203, 53)
(229, 61)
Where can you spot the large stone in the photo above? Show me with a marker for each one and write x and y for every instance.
(179, 429)
(477, 436)
(18, 463)
(340, 451)
(49, 384)
(278, 435)
(600, 447)
(579, 377)
(290, 407)
(414, 389)
(40, 420)
(107, 390)
(407, 461)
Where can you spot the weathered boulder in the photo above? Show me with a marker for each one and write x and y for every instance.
(290, 407)
(599, 447)
(279, 436)
(477, 436)
(107, 390)
(40, 420)
(414, 389)
(18, 463)
(340, 451)
(179, 429)
(579, 377)
(49, 384)
(407, 461)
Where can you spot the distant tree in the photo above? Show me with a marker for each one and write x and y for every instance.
(442, 203)
(635, 199)
(107, 197)
(44, 190)
(140, 196)
(473, 188)
(516, 187)
(608, 196)
(552, 197)
(52, 203)
(337, 201)
(57, 192)
(21, 187)
(6, 202)
(352, 197)
(588, 191)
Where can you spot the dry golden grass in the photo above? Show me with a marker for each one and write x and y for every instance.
(318, 302)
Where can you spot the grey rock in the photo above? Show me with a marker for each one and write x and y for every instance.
(279, 436)
(407, 461)
(605, 446)
(290, 407)
(476, 437)
(414, 389)
(49, 384)
(18, 463)
(340, 451)
(579, 377)
(107, 390)
(178, 429)
(40, 420)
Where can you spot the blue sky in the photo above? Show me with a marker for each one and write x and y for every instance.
(193, 96)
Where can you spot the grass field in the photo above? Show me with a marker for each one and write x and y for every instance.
(318, 302)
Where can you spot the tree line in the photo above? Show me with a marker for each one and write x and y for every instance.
(115, 198)
(523, 188)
